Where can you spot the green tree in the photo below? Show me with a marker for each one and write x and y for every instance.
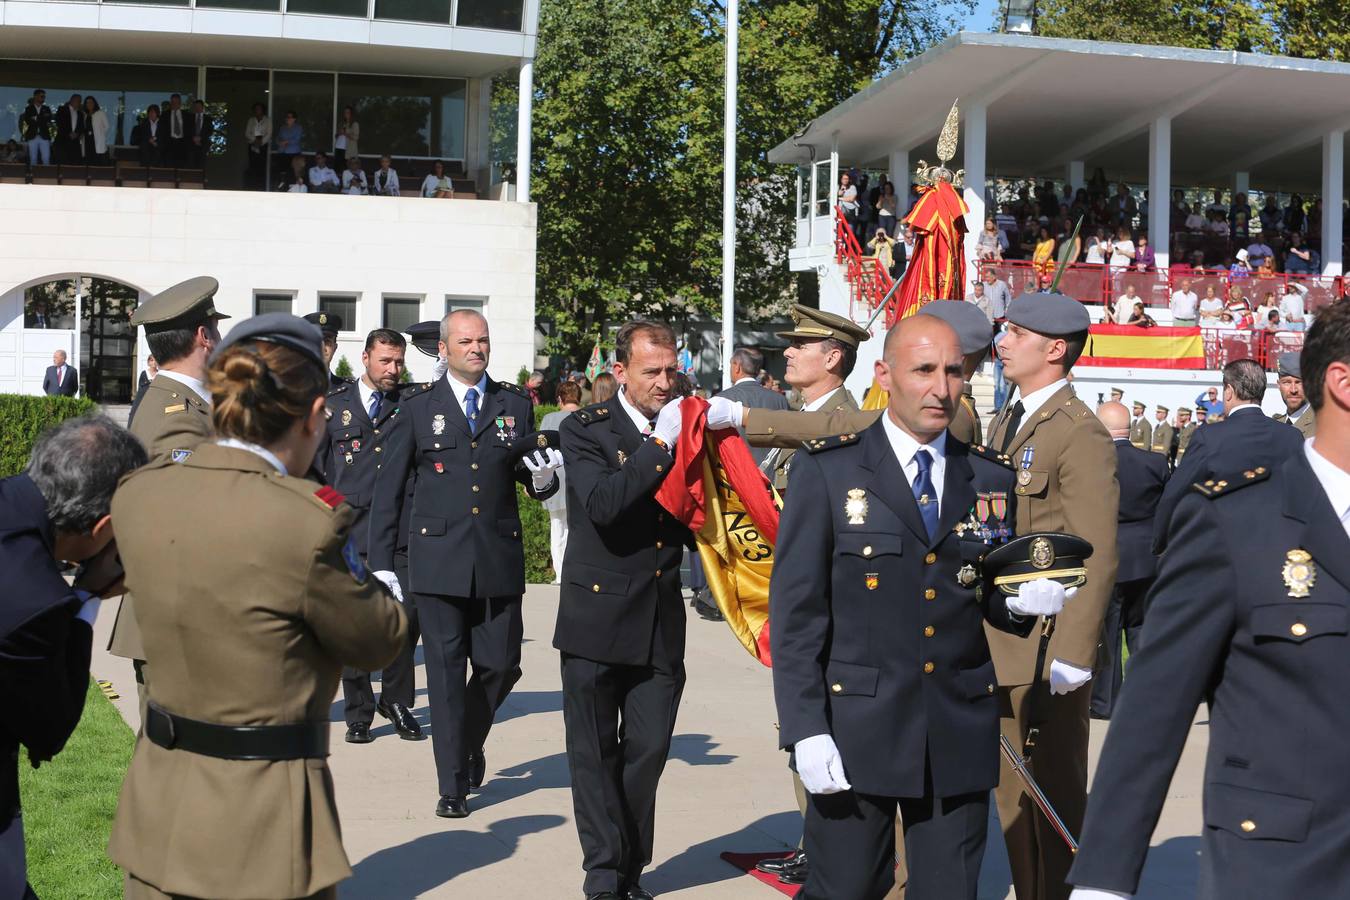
(344, 368)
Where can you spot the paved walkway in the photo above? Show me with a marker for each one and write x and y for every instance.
(726, 787)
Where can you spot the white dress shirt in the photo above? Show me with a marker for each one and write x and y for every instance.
(198, 387)
(319, 175)
(1335, 482)
(1185, 304)
(1032, 402)
(368, 392)
(258, 128)
(817, 403)
(176, 123)
(257, 449)
(640, 420)
(461, 392)
(906, 448)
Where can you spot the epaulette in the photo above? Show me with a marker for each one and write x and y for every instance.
(1214, 487)
(513, 388)
(592, 414)
(816, 445)
(333, 392)
(992, 455)
(328, 497)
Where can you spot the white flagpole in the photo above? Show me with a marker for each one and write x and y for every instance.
(729, 199)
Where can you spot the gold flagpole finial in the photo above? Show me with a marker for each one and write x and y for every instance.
(946, 152)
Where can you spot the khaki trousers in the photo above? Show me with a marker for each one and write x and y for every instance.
(901, 873)
(1038, 856)
(135, 889)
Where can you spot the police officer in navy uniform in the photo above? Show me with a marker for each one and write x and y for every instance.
(361, 416)
(1251, 614)
(882, 675)
(450, 458)
(330, 324)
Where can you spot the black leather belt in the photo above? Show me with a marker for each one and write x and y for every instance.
(302, 740)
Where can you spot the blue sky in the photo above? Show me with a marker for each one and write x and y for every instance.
(983, 17)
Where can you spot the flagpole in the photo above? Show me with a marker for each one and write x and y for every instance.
(729, 197)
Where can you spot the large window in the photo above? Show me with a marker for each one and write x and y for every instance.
(271, 302)
(401, 313)
(456, 301)
(437, 11)
(326, 7)
(407, 116)
(310, 96)
(267, 5)
(504, 15)
(341, 305)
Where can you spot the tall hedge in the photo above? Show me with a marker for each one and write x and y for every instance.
(23, 418)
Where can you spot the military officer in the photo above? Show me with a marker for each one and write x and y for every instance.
(1297, 410)
(174, 415)
(621, 620)
(1141, 433)
(882, 675)
(1253, 622)
(228, 792)
(329, 324)
(1066, 482)
(450, 457)
(1164, 435)
(361, 416)
(1185, 430)
(1117, 394)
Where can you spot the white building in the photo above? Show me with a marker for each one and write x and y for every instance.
(94, 241)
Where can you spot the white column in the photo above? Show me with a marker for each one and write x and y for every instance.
(1073, 174)
(834, 177)
(974, 130)
(1333, 195)
(1242, 183)
(524, 115)
(729, 195)
(1160, 188)
(900, 176)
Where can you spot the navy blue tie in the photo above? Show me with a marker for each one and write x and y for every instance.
(471, 409)
(374, 409)
(924, 494)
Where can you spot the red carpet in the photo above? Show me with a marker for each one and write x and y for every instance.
(746, 863)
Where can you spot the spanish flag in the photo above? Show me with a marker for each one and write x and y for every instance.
(716, 490)
(1130, 346)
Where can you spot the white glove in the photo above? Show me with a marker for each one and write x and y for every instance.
(542, 464)
(668, 422)
(390, 580)
(724, 413)
(1042, 597)
(819, 765)
(1066, 677)
(438, 371)
(1098, 894)
(89, 609)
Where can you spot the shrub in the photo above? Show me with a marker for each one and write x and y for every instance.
(23, 418)
(344, 368)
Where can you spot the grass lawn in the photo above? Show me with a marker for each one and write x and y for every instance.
(68, 807)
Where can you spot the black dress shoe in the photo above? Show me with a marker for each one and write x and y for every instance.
(793, 876)
(776, 866)
(477, 769)
(707, 611)
(359, 733)
(638, 892)
(452, 807)
(604, 895)
(404, 721)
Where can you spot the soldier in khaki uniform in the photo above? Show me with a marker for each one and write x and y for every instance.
(228, 793)
(1185, 428)
(1297, 410)
(174, 415)
(1164, 435)
(1141, 433)
(1066, 482)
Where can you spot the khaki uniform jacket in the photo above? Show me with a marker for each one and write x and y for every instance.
(1306, 423)
(1141, 433)
(1070, 486)
(1163, 436)
(1184, 438)
(170, 421)
(251, 625)
(787, 428)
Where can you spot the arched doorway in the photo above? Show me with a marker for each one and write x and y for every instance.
(99, 310)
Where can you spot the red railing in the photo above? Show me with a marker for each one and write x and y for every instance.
(868, 281)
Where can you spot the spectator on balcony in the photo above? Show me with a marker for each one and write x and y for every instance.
(848, 201)
(1226, 322)
(1195, 222)
(1125, 305)
(1097, 184)
(1299, 259)
(176, 138)
(1026, 245)
(1258, 251)
(1178, 212)
(1007, 225)
(1272, 220)
(68, 148)
(1098, 249)
(1066, 236)
(1021, 208)
(997, 292)
(96, 133)
(1185, 305)
(1217, 205)
(981, 300)
(150, 138)
(1240, 208)
(322, 178)
(35, 127)
(886, 208)
(345, 139)
(1293, 316)
(1218, 225)
(1122, 249)
(1139, 317)
(880, 246)
(354, 179)
(1144, 260)
(290, 136)
(1123, 207)
(258, 136)
(1294, 217)
(990, 243)
(1047, 201)
(295, 181)
(199, 130)
(1043, 257)
(12, 153)
(1263, 310)
(1240, 230)
(386, 179)
(1211, 307)
(1241, 267)
(438, 185)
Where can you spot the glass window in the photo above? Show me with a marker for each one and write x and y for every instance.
(50, 305)
(400, 313)
(152, 2)
(326, 7)
(271, 303)
(407, 116)
(341, 305)
(123, 92)
(437, 11)
(453, 302)
(270, 5)
(310, 96)
(504, 15)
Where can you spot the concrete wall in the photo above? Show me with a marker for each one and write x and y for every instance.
(276, 243)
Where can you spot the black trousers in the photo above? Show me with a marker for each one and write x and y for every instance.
(397, 682)
(257, 169)
(1125, 612)
(850, 840)
(619, 720)
(459, 632)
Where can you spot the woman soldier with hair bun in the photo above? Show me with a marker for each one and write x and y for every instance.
(250, 601)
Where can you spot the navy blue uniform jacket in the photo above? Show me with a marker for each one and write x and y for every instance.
(1142, 476)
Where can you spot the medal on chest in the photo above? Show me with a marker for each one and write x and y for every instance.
(438, 424)
(506, 428)
(1299, 573)
(855, 507)
(346, 417)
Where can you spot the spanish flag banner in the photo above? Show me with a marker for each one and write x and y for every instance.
(716, 490)
(1132, 347)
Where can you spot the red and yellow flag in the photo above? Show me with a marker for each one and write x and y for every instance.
(1129, 346)
(716, 490)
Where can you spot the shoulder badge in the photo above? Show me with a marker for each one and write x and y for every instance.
(992, 455)
(175, 408)
(333, 392)
(513, 388)
(816, 445)
(328, 497)
(179, 455)
(1214, 487)
(592, 414)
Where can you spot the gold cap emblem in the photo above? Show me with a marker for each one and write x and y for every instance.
(1299, 572)
(323, 318)
(543, 441)
(1042, 553)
